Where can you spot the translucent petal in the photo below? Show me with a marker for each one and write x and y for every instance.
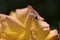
(14, 25)
(38, 32)
(22, 14)
(27, 34)
(53, 35)
(13, 14)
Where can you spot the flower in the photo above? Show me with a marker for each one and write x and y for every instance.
(25, 24)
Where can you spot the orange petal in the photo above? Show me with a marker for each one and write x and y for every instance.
(53, 35)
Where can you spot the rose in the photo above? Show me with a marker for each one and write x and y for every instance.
(25, 24)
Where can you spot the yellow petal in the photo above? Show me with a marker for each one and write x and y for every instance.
(20, 37)
(53, 35)
(38, 31)
(14, 25)
(22, 14)
(28, 27)
(7, 31)
(13, 14)
(59, 37)
(2, 39)
(8, 37)
(1, 29)
(26, 35)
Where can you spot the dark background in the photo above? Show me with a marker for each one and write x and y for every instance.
(48, 9)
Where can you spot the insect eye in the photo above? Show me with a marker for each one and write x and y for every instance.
(33, 16)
